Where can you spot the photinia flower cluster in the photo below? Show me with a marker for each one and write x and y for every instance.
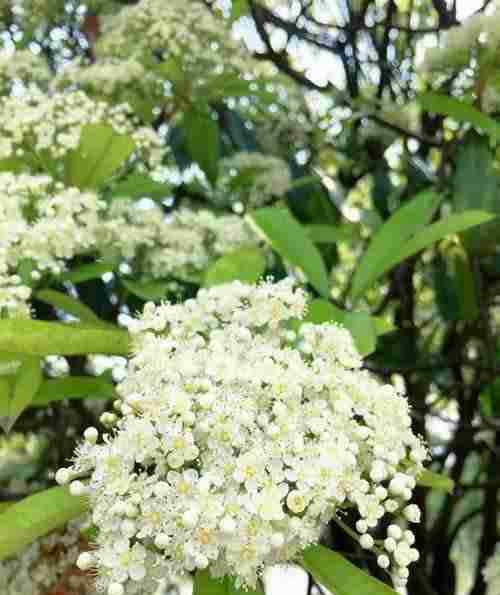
(236, 438)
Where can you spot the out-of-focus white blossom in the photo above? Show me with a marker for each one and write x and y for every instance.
(238, 440)
(252, 179)
(22, 66)
(51, 124)
(182, 244)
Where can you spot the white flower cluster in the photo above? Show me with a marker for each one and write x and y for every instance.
(182, 244)
(48, 566)
(238, 439)
(44, 222)
(14, 297)
(21, 66)
(183, 31)
(110, 78)
(491, 573)
(250, 180)
(51, 125)
(461, 43)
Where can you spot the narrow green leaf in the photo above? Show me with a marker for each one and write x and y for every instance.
(289, 238)
(389, 239)
(202, 141)
(36, 516)
(35, 337)
(437, 231)
(86, 272)
(69, 305)
(139, 186)
(101, 152)
(460, 111)
(436, 481)
(340, 576)
(26, 383)
(72, 387)
(331, 234)
(319, 311)
(246, 264)
(152, 290)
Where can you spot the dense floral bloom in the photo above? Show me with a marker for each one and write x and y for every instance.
(37, 126)
(252, 179)
(44, 222)
(239, 439)
(22, 66)
(182, 244)
(492, 573)
(116, 79)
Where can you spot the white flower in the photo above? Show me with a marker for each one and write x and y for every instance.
(241, 443)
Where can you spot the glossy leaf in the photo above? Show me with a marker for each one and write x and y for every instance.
(147, 290)
(460, 111)
(72, 387)
(35, 337)
(340, 576)
(437, 231)
(139, 186)
(390, 238)
(246, 264)
(290, 239)
(14, 399)
(202, 141)
(331, 234)
(69, 305)
(101, 152)
(436, 481)
(86, 272)
(36, 516)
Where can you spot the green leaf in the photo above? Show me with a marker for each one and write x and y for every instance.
(340, 576)
(437, 231)
(36, 516)
(239, 8)
(289, 238)
(69, 305)
(147, 290)
(72, 387)
(331, 234)
(246, 264)
(15, 398)
(363, 331)
(390, 238)
(86, 272)
(139, 186)
(101, 152)
(204, 584)
(476, 185)
(436, 481)
(202, 141)
(36, 337)
(460, 111)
